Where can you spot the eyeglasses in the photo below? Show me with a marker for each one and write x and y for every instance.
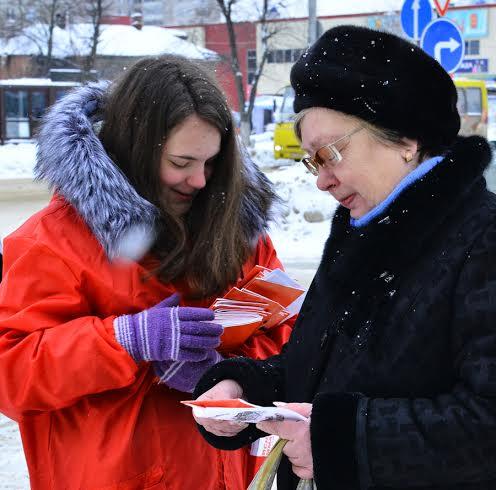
(328, 154)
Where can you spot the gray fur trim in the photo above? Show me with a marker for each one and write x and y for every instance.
(72, 160)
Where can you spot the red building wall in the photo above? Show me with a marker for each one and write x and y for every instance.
(217, 39)
(124, 20)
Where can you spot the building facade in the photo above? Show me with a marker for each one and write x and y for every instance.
(215, 37)
(190, 12)
(477, 23)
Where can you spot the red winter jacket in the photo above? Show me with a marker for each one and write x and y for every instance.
(90, 417)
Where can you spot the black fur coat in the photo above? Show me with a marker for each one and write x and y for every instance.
(396, 342)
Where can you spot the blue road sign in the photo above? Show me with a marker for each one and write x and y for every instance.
(415, 15)
(443, 40)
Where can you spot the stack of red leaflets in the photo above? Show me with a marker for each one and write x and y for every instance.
(265, 299)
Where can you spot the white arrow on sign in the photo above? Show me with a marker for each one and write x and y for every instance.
(452, 44)
(416, 8)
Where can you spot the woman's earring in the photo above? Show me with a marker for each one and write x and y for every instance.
(408, 156)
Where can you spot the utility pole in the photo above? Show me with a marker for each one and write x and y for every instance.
(312, 21)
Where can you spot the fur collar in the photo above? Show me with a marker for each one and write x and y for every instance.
(72, 160)
(361, 266)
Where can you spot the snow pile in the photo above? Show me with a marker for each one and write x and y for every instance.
(301, 233)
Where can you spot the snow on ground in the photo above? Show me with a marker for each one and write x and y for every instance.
(17, 161)
(13, 470)
(295, 238)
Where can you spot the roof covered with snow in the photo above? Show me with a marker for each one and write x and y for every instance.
(115, 40)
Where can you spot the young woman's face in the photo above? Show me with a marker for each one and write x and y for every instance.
(187, 162)
(369, 170)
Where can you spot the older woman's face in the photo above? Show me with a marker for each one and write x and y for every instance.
(369, 170)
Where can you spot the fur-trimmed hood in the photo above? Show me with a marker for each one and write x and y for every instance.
(72, 160)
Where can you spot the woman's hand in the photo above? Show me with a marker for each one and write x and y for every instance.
(225, 390)
(168, 332)
(298, 449)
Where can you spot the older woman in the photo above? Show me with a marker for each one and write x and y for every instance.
(393, 357)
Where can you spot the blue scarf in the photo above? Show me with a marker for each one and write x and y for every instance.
(406, 182)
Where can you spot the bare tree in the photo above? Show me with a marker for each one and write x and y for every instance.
(267, 30)
(50, 15)
(47, 15)
(36, 20)
(94, 11)
(10, 13)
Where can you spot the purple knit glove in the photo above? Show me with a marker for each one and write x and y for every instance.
(183, 376)
(167, 332)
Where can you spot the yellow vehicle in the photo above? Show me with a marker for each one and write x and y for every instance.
(472, 106)
(491, 112)
(286, 144)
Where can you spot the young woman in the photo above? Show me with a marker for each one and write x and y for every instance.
(103, 319)
(393, 357)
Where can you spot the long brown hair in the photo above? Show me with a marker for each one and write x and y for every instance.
(208, 246)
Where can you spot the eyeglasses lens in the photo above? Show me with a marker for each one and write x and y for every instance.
(310, 165)
(329, 154)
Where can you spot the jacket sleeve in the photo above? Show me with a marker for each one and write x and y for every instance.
(271, 341)
(262, 383)
(53, 351)
(447, 440)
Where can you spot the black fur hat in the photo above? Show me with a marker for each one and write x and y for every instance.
(381, 78)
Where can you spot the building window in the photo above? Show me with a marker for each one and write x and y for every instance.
(296, 54)
(16, 114)
(11, 14)
(283, 55)
(251, 65)
(472, 47)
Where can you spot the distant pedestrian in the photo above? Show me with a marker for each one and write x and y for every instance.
(393, 356)
(103, 319)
